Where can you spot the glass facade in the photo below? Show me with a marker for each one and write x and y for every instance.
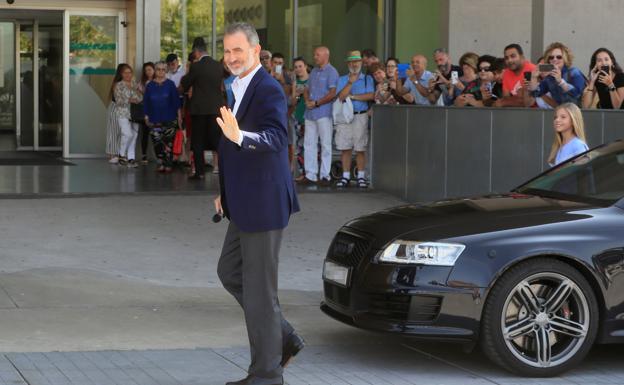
(341, 25)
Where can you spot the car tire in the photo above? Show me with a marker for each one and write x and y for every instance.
(530, 327)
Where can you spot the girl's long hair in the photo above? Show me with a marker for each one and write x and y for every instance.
(117, 78)
(578, 128)
(144, 78)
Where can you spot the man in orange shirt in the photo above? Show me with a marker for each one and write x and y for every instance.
(513, 77)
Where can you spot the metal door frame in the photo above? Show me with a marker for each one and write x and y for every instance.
(17, 23)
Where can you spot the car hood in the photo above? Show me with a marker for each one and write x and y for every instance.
(466, 216)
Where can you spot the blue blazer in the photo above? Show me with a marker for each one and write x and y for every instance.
(257, 189)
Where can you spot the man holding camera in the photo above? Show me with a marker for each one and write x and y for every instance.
(440, 82)
(415, 89)
(514, 77)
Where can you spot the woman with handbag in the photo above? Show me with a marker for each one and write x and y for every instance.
(146, 77)
(163, 115)
(127, 92)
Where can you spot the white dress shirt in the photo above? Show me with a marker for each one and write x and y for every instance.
(239, 87)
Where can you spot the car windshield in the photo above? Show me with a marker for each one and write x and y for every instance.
(595, 177)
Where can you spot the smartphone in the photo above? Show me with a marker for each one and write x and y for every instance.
(605, 68)
(546, 67)
(278, 69)
(454, 77)
(527, 76)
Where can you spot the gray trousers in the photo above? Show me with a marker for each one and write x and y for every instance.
(248, 270)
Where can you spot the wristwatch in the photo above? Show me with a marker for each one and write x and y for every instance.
(612, 87)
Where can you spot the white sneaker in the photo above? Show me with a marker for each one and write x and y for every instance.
(114, 160)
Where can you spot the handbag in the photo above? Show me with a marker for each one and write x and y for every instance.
(178, 143)
(342, 111)
(136, 112)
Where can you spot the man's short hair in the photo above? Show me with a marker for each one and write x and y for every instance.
(440, 50)
(368, 53)
(515, 46)
(199, 44)
(247, 29)
(171, 58)
(277, 55)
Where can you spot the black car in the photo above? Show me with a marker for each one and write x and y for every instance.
(535, 276)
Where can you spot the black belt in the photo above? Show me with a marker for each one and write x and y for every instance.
(359, 112)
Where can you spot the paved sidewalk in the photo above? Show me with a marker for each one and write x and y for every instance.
(123, 290)
(389, 363)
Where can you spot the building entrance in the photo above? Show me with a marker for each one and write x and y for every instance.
(31, 81)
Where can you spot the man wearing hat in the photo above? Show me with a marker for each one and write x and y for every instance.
(353, 136)
(175, 69)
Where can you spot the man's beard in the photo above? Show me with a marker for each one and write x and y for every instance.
(244, 68)
(355, 70)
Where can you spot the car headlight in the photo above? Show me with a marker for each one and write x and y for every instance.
(426, 253)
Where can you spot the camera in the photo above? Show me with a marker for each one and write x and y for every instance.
(605, 68)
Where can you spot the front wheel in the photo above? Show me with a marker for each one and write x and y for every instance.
(540, 319)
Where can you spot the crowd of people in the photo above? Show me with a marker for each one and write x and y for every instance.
(171, 103)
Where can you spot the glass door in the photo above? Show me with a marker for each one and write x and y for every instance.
(49, 64)
(92, 54)
(26, 86)
(8, 92)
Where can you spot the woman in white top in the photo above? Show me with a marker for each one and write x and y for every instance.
(569, 138)
(126, 92)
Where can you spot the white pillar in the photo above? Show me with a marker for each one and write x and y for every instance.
(151, 30)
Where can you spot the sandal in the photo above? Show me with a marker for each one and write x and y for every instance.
(342, 182)
(362, 183)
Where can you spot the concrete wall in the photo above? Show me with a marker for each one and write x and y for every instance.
(585, 26)
(487, 26)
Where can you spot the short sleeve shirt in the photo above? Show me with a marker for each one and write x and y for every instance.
(320, 82)
(364, 85)
(571, 149)
(513, 82)
(419, 99)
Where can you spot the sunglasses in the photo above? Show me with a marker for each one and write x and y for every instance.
(485, 69)
(558, 57)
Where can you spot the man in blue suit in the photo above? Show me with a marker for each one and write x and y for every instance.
(258, 196)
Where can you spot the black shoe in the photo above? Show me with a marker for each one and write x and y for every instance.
(249, 380)
(324, 182)
(196, 177)
(293, 345)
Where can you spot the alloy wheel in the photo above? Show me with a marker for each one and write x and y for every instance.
(545, 320)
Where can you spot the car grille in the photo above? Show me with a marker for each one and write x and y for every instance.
(348, 249)
(397, 307)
